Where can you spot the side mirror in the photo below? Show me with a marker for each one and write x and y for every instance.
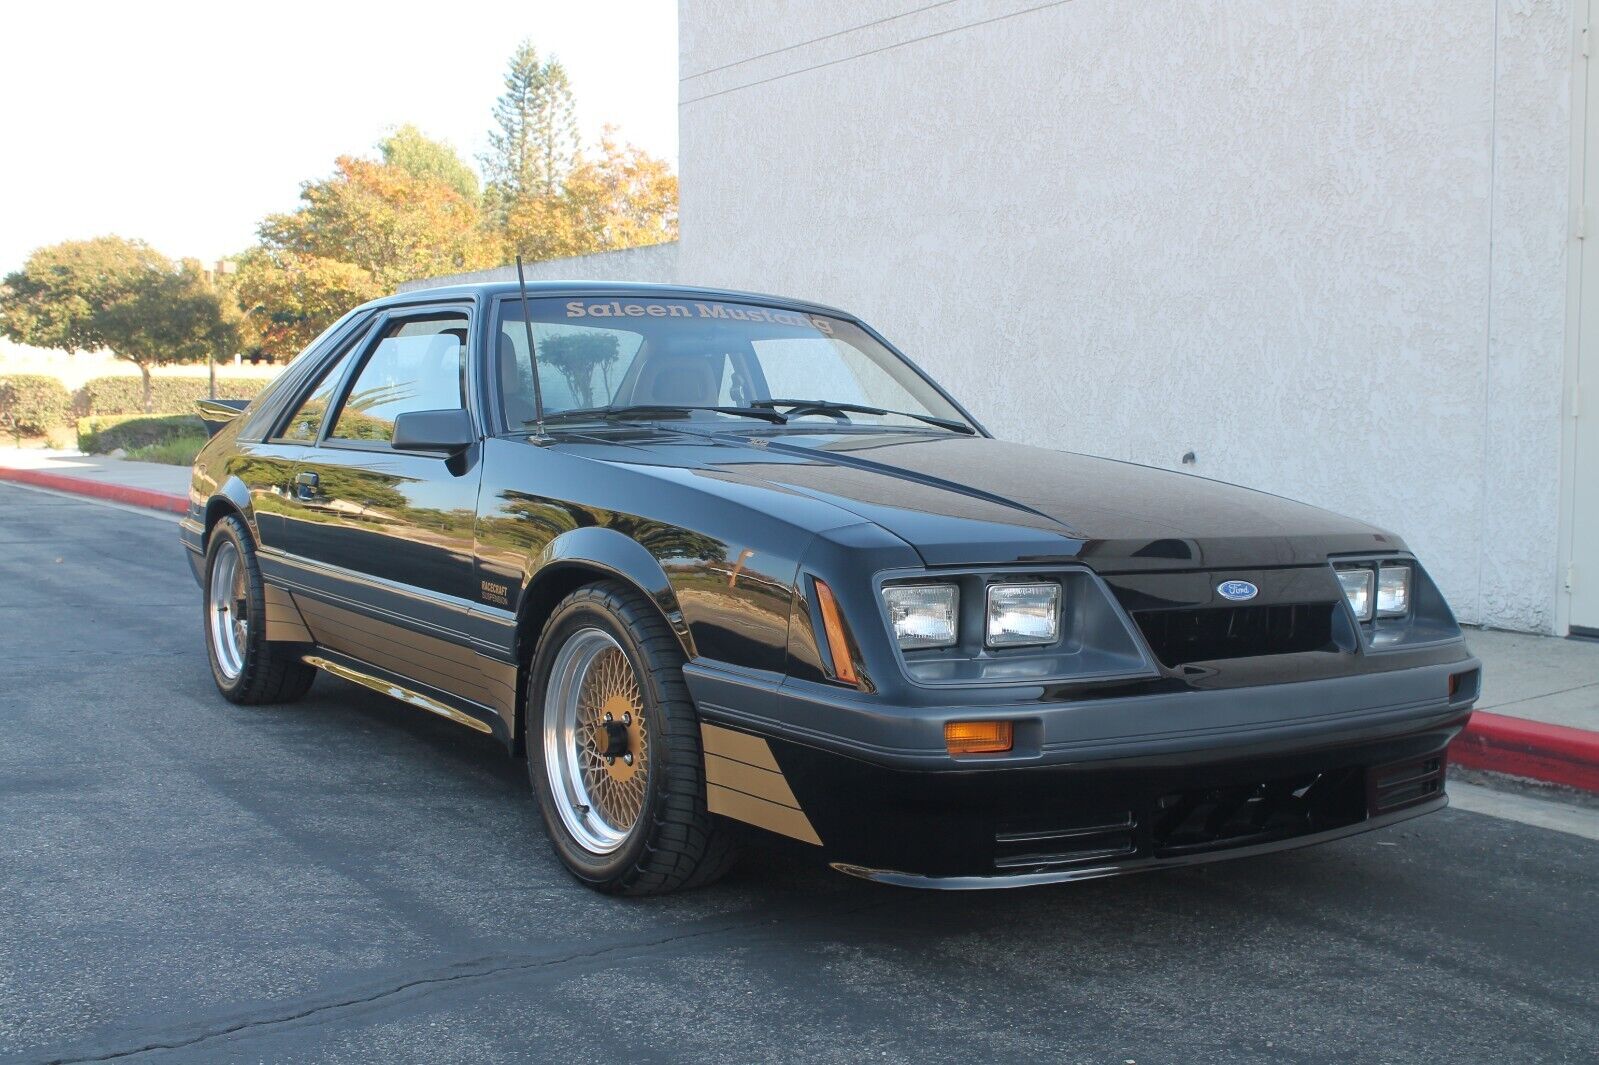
(449, 431)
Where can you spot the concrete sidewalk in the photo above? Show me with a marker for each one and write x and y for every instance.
(153, 476)
(1539, 709)
(1541, 678)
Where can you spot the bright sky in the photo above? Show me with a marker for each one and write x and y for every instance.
(184, 123)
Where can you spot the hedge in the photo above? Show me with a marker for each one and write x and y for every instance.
(32, 404)
(105, 433)
(169, 395)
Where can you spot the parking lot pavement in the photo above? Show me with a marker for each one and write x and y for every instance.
(346, 878)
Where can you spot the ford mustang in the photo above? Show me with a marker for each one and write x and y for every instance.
(727, 568)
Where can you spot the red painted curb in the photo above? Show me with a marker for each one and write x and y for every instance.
(120, 493)
(1554, 754)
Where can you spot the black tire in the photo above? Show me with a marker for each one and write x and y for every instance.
(269, 672)
(674, 843)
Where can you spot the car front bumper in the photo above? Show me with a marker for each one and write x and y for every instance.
(1185, 777)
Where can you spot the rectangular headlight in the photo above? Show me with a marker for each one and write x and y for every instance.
(1357, 589)
(1393, 591)
(923, 615)
(1023, 614)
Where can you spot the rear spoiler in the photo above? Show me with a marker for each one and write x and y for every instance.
(216, 413)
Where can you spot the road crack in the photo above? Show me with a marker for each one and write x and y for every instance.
(475, 969)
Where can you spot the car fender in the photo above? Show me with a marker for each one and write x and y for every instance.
(235, 495)
(609, 551)
(208, 501)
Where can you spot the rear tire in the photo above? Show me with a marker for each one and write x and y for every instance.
(623, 797)
(247, 667)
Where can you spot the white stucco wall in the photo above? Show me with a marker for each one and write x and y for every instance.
(1322, 245)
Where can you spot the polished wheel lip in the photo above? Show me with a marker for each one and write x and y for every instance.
(227, 610)
(599, 807)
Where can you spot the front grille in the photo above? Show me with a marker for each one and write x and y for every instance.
(1396, 786)
(1244, 815)
(1211, 633)
(1111, 837)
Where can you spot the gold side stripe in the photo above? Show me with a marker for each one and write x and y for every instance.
(316, 610)
(761, 783)
(739, 746)
(783, 820)
(417, 665)
(426, 659)
(743, 781)
(283, 621)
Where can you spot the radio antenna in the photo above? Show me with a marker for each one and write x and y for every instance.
(532, 354)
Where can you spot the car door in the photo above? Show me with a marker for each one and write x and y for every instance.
(267, 466)
(376, 533)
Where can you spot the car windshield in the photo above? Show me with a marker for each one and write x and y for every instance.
(645, 357)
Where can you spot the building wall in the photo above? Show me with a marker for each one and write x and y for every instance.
(1320, 245)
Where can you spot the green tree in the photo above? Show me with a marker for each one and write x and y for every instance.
(288, 298)
(122, 296)
(577, 356)
(387, 221)
(534, 144)
(422, 157)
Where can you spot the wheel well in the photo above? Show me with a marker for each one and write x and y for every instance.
(214, 510)
(548, 589)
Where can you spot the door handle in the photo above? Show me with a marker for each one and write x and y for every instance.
(305, 485)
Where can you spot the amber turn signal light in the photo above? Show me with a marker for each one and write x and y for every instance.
(833, 628)
(977, 737)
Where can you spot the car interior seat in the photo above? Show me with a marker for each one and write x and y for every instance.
(678, 381)
(516, 385)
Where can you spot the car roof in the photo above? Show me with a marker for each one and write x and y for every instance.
(535, 289)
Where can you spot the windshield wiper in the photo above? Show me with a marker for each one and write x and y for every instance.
(823, 406)
(648, 409)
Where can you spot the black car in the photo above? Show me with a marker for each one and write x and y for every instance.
(720, 563)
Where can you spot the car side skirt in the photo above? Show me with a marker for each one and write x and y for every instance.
(435, 664)
(443, 704)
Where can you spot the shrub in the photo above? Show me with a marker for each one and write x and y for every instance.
(100, 435)
(32, 404)
(179, 451)
(169, 395)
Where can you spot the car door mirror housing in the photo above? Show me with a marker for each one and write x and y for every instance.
(450, 431)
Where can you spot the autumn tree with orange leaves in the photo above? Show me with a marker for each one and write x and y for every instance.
(416, 212)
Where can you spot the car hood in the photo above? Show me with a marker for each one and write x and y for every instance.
(961, 500)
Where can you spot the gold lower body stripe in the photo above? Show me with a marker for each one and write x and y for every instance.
(283, 620)
(743, 781)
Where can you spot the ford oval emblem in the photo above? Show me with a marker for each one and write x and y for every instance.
(1237, 591)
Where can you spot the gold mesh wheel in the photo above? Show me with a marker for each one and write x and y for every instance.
(596, 742)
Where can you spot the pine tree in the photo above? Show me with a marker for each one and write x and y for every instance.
(535, 144)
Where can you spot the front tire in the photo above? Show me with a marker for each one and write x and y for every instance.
(614, 750)
(247, 668)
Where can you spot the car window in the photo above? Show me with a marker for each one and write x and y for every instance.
(578, 367)
(418, 364)
(682, 352)
(813, 367)
(306, 424)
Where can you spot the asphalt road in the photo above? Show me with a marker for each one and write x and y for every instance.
(349, 879)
